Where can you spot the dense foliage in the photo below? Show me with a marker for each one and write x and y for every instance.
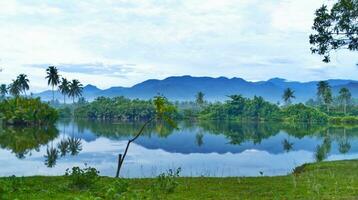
(117, 108)
(302, 113)
(241, 108)
(257, 109)
(26, 111)
(335, 28)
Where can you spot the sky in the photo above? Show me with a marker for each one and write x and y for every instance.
(123, 42)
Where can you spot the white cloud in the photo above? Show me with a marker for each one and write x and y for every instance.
(253, 39)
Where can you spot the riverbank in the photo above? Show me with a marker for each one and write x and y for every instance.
(325, 180)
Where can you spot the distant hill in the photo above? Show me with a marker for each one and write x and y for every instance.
(184, 88)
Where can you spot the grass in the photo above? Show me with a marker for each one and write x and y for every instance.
(325, 180)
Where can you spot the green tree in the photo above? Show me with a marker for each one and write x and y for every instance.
(23, 83)
(64, 88)
(14, 88)
(3, 90)
(75, 89)
(200, 99)
(322, 86)
(53, 79)
(288, 95)
(345, 97)
(336, 28)
(327, 98)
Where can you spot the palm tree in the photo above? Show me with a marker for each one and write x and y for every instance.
(288, 94)
(345, 96)
(3, 90)
(322, 86)
(200, 98)
(64, 88)
(75, 89)
(23, 83)
(14, 88)
(327, 98)
(53, 79)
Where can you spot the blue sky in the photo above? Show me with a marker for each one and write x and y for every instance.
(123, 42)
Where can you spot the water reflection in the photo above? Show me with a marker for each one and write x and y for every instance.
(208, 148)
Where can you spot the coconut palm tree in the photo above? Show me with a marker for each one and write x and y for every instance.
(322, 86)
(327, 98)
(3, 90)
(200, 98)
(345, 96)
(23, 83)
(53, 79)
(75, 89)
(288, 95)
(64, 88)
(14, 88)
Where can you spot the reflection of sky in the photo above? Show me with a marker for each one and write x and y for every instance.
(151, 156)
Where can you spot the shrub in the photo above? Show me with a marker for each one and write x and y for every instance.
(167, 182)
(82, 178)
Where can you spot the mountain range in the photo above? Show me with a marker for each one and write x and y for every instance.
(184, 88)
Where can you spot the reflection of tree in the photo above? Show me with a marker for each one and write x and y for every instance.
(63, 147)
(199, 139)
(51, 156)
(287, 145)
(22, 140)
(237, 133)
(344, 145)
(323, 150)
(121, 130)
(74, 145)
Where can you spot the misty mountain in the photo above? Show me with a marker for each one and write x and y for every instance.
(184, 88)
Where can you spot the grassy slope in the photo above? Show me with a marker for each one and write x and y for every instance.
(326, 180)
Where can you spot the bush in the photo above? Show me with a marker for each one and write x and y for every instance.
(167, 182)
(302, 113)
(27, 111)
(82, 178)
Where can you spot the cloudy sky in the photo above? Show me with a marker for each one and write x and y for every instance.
(123, 42)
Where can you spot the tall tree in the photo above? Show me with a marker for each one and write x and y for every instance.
(3, 90)
(23, 83)
(53, 79)
(64, 88)
(345, 97)
(14, 88)
(322, 86)
(75, 89)
(288, 95)
(327, 98)
(336, 28)
(200, 98)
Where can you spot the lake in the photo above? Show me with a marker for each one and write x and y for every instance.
(215, 149)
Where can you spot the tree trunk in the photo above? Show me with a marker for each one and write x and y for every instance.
(129, 142)
(345, 107)
(53, 95)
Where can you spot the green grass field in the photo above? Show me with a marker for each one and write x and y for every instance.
(325, 180)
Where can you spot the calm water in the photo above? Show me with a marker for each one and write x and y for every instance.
(200, 149)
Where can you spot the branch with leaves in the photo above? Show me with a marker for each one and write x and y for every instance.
(164, 111)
